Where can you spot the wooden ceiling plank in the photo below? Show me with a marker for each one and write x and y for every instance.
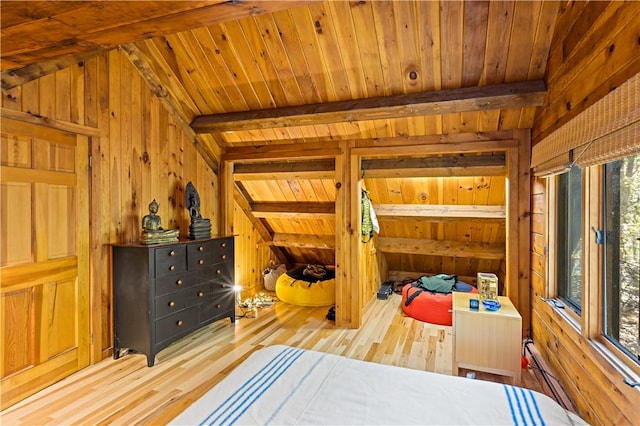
(540, 56)
(181, 56)
(525, 21)
(370, 59)
(429, 32)
(305, 241)
(444, 248)
(195, 62)
(347, 48)
(228, 65)
(476, 14)
(498, 36)
(315, 41)
(499, 96)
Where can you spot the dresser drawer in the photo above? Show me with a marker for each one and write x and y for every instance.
(176, 324)
(173, 283)
(197, 294)
(199, 255)
(222, 250)
(217, 307)
(218, 287)
(222, 272)
(170, 260)
(169, 303)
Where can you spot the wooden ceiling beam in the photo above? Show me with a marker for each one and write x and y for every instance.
(439, 212)
(262, 230)
(327, 242)
(441, 248)
(293, 210)
(318, 169)
(459, 165)
(499, 96)
(18, 77)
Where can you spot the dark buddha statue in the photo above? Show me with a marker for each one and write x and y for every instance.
(200, 227)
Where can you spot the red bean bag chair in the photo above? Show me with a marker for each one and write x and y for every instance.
(431, 307)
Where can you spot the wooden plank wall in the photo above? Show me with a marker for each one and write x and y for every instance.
(252, 256)
(595, 49)
(139, 153)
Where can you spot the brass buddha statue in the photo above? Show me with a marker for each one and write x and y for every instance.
(152, 231)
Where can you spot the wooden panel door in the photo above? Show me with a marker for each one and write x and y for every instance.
(44, 297)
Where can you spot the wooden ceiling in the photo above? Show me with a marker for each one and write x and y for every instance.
(214, 57)
(261, 73)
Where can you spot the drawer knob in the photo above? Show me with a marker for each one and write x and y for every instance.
(223, 257)
(201, 262)
(218, 271)
(200, 248)
(218, 306)
(172, 268)
(172, 303)
(223, 244)
(179, 323)
(179, 282)
(172, 253)
(200, 294)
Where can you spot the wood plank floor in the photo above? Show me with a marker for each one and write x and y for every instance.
(126, 391)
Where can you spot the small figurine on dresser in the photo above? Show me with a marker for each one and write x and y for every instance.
(152, 231)
(199, 228)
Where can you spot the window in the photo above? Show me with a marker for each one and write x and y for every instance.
(621, 295)
(569, 239)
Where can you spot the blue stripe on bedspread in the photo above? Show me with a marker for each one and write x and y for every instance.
(294, 390)
(239, 401)
(523, 405)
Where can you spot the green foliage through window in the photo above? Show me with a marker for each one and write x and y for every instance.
(621, 322)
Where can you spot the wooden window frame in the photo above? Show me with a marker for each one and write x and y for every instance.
(590, 323)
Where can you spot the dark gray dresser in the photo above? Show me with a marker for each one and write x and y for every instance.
(163, 292)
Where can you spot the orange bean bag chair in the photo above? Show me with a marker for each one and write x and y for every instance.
(431, 307)
(296, 287)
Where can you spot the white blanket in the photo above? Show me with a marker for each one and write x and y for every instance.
(282, 385)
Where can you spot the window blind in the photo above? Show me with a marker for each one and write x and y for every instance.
(608, 130)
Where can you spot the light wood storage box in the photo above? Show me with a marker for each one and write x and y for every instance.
(488, 341)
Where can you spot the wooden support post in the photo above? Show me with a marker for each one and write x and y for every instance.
(518, 225)
(348, 309)
(226, 198)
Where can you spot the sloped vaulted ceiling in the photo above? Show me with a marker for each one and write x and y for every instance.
(252, 73)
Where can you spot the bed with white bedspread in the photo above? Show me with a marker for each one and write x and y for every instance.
(282, 385)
